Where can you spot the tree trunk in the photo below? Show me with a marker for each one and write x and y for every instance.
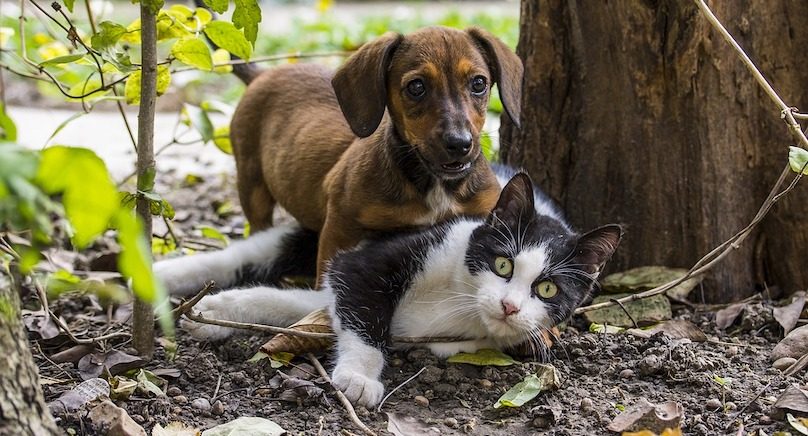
(22, 408)
(640, 113)
(143, 313)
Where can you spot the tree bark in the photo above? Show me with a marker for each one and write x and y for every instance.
(143, 313)
(22, 408)
(639, 113)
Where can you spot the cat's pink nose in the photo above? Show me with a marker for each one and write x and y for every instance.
(509, 308)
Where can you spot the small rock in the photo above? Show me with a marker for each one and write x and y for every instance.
(542, 422)
(217, 408)
(451, 422)
(201, 404)
(795, 344)
(626, 373)
(765, 420)
(395, 363)
(422, 401)
(173, 391)
(486, 384)
(713, 404)
(783, 363)
(113, 420)
(239, 378)
(262, 392)
(732, 351)
(180, 399)
(431, 375)
(730, 406)
(586, 405)
(650, 365)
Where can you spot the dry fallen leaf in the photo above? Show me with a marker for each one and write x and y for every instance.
(116, 362)
(788, 315)
(175, 429)
(317, 321)
(546, 378)
(727, 316)
(676, 329)
(793, 399)
(80, 395)
(246, 425)
(646, 416)
(798, 424)
(401, 425)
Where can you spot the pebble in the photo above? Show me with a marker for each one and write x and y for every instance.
(542, 422)
(395, 363)
(626, 373)
(180, 399)
(783, 363)
(486, 384)
(586, 405)
(451, 422)
(730, 405)
(431, 375)
(217, 408)
(201, 403)
(732, 351)
(262, 392)
(650, 365)
(795, 344)
(173, 391)
(422, 401)
(713, 404)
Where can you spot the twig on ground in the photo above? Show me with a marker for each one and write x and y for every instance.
(379, 409)
(342, 398)
(615, 301)
(796, 366)
(183, 308)
(62, 326)
(748, 403)
(218, 385)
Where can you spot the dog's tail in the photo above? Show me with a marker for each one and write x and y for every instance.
(245, 71)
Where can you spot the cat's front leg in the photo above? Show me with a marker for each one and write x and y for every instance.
(358, 369)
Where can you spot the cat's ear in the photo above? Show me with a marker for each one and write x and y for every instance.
(595, 248)
(515, 204)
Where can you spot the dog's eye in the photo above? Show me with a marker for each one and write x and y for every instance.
(416, 88)
(479, 85)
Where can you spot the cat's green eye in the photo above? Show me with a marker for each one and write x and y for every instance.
(503, 266)
(546, 289)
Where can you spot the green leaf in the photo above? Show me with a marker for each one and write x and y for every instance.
(69, 4)
(259, 356)
(545, 379)
(63, 124)
(221, 59)
(221, 138)
(226, 36)
(108, 35)
(210, 232)
(153, 5)
(200, 121)
(483, 358)
(89, 195)
(604, 328)
(191, 51)
(219, 6)
(246, 16)
(8, 130)
(132, 88)
(66, 59)
(148, 382)
(134, 262)
(798, 158)
(280, 359)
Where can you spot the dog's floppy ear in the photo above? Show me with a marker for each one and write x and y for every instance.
(507, 70)
(361, 84)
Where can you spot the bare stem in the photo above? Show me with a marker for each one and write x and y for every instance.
(342, 398)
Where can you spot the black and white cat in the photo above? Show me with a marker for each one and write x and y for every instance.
(497, 281)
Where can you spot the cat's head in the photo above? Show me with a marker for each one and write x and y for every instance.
(530, 271)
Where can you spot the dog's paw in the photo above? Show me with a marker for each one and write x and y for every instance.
(359, 388)
(211, 307)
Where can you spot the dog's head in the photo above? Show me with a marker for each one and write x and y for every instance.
(435, 84)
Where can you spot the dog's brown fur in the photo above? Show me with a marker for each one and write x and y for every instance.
(381, 170)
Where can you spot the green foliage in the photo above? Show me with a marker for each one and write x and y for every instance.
(228, 37)
(798, 159)
(132, 88)
(8, 129)
(483, 358)
(193, 52)
(219, 6)
(246, 16)
(89, 196)
(69, 4)
(108, 35)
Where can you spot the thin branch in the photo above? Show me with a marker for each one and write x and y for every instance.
(379, 409)
(183, 308)
(272, 58)
(342, 398)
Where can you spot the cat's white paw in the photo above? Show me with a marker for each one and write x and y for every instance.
(178, 275)
(359, 388)
(211, 307)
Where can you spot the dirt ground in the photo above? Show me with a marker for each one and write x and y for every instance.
(601, 373)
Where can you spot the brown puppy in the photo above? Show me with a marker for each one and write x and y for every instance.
(415, 163)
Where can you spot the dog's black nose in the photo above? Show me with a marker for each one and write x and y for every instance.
(458, 144)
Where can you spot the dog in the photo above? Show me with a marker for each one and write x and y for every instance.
(389, 141)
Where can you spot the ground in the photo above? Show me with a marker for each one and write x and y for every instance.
(601, 373)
